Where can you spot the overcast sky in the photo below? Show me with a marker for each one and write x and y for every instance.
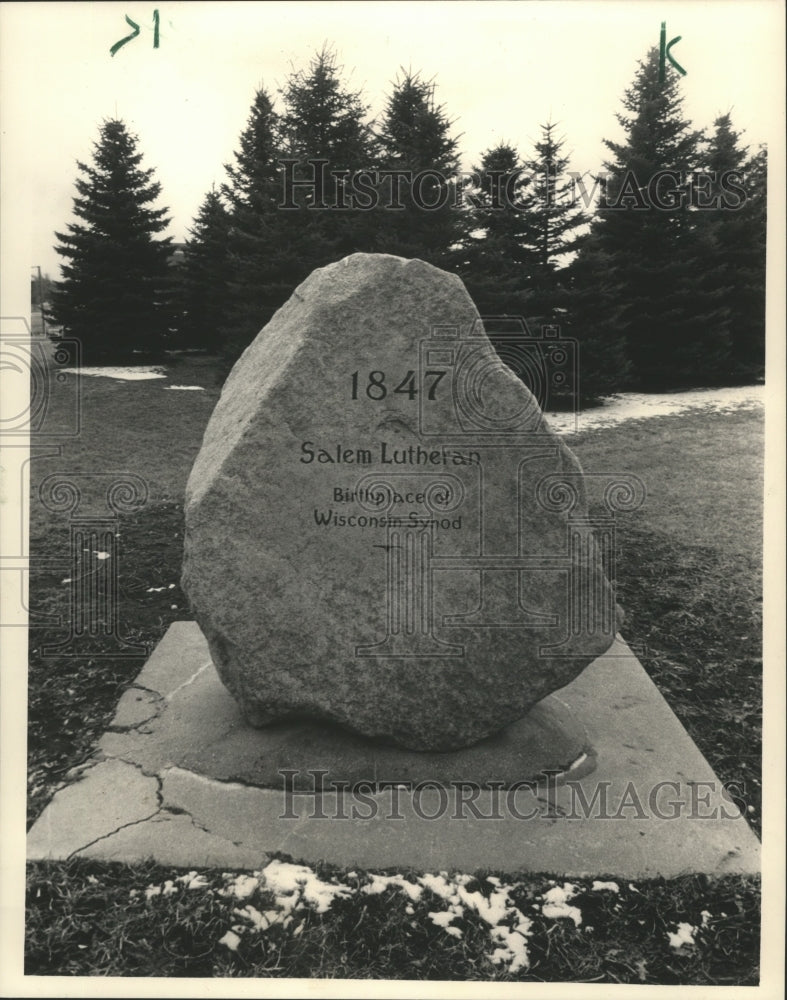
(501, 69)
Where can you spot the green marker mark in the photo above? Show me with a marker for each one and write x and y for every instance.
(676, 64)
(119, 45)
(664, 53)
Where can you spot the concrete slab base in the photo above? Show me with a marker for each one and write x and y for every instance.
(179, 777)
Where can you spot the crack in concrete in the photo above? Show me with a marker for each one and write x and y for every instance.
(138, 766)
(147, 690)
(134, 822)
(189, 680)
(77, 771)
(156, 711)
(112, 833)
(180, 811)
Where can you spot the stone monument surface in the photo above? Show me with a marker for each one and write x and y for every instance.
(381, 529)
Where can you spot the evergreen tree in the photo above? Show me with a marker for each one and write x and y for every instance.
(674, 322)
(206, 276)
(262, 265)
(277, 236)
(734, 214)
(116, 283)
(323, 120)
(414, 137)
(553, 223)
(526, 221)
(495, 262)
(595, 303)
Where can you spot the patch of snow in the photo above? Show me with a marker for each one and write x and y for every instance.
(260, 921)
(230, 940)
(242, 886)
(600, 886)
(683, 936)
(294, 882)
(555, 903)
(637, 405)
(133, 373)
(102, 555)
(67, 580)
(193, 881)
(154, 590)
(190, 388)
(380, 883)
(440, 886)
(706, 916)
(496, 910)
(514, 946)
(492, 909)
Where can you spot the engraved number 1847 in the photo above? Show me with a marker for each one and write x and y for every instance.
(377, 389)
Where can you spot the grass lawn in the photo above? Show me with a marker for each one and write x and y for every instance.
(689, 580)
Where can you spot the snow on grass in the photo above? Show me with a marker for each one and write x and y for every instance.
(380, 883)
(492, 909)
(187, 388)
(193, 881)
(508, 927)
(683, 936)
(242, 886)
(131, 373)
(440, 886)
(555, 903)
(513, 951)
(262, 921)
(442, 918)
(294, 888)
(284, 893)
(635, 405)
(230, 940)
(287, 881)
